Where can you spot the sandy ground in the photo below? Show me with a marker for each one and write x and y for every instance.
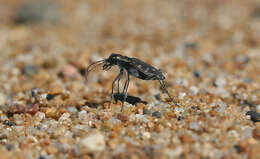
(209, 50)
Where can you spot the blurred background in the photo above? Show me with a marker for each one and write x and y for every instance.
(209, 50)
(181, 37)
(216, 35)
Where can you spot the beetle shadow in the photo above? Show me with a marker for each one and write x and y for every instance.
(129, 99)
(92, 104)
(118, 96)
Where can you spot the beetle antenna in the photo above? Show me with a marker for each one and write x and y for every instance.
(95, 64)
(163, 84)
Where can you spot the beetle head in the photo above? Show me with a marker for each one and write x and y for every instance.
(111, 61)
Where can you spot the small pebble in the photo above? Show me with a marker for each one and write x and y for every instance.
(157, 96)
(256, 12)
(233, 133)
(148, 150)
(64, 117)
(140, 117)
(34, 92)
(146, 111)
(3, 117)
(49, 96)
(256, 133)
(33, 110)
(182, 95)
(30, 70)
(37, 11)
(92, 143)
(196, 74)
(248, 132)
(193, 90)
(73, 110)
(191, 45)
(8, 123)
(220, 82)
(178, 110)
(18, 119)
(122, 117)
(3, 136)
(242, 59)
(132, 117)
(238, 148)
(258, 107)
(146, 135)
(182, 82)
(68, 71)
(221, 91)
(175, 153)
(248, 80)
(17, 108)
(82, 115)
(157, 114)
(255, 116)
(38, 127)
(180, 118)
(39, 116)
(194, 126)
(41, 157)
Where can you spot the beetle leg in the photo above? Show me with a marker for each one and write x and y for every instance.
(125, 88)
(117, 78)
(165, 89)
(125, 85)
(118, 91)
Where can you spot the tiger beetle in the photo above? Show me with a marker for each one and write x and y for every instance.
(133, 67)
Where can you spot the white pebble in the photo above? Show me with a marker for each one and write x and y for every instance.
(18, 119)
(178, 110)
(19, 129)
(146, 135)
(141, 117)
(32, 139)
(64, 117)
(132, 117)
(182, 82)
(193, 90)
(233, 133)
(72, 110)
(258, 107)
(181, 95)
(42, 97)
(254, 98)
(3, 117)
(222, 92)
(222, 104)
(174, 153)
(194, 126)
(247, 132)
(39, 116)
(92, 143)
(220, 82)
(82, 115)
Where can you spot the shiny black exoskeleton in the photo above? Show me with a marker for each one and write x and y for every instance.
(133, 67)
